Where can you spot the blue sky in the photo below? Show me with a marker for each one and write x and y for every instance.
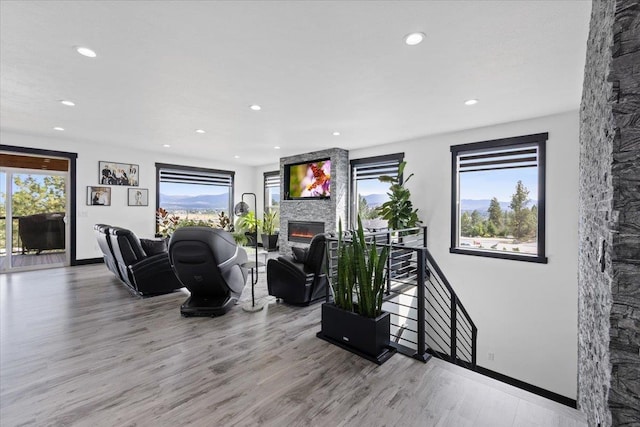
(372, 186)
(498, 183)
(477, 185)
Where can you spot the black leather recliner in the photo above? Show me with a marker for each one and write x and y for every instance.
(104, 242)
(301, 281)
(208, 262)
(145, 274)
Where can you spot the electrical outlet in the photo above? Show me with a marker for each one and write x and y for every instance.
(491, 356)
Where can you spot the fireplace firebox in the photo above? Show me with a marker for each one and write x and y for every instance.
(303, 231)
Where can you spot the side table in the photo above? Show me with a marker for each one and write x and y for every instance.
(252, 265)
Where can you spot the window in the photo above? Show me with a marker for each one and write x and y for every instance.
(498, 198)
(271, 191)
(367, 192)
(194, 193)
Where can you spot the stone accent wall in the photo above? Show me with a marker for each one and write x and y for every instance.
(609, 241)
(328, 211)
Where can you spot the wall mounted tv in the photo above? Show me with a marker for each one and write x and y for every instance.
(308, 180)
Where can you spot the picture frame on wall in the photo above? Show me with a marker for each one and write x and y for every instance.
(113, 173)
(138, 197)
(98, 196)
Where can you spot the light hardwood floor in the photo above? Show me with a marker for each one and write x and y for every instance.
(78, 349)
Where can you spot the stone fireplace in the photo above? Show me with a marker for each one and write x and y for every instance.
(324, 211)
(303, 231)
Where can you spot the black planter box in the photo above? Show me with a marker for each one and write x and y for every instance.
(269, 242)
(364, 336)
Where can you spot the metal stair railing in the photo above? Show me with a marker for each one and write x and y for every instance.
(427, 316)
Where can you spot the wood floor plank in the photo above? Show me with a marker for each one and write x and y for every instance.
(78, 349)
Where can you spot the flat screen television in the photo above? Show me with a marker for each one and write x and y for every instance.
(308, 180)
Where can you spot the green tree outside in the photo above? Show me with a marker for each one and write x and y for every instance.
(520, 222)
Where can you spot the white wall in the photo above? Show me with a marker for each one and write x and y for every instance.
(526, 313)
(259, 183)
(138, 219)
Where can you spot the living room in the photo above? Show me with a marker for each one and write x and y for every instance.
(527, 312)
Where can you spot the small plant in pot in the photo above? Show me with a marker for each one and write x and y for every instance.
(250, 225)
(269, 234)
(355, 319)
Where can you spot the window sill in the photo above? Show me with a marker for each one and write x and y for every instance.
(499, 255)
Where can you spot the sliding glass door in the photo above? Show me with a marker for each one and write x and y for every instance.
(33, 217)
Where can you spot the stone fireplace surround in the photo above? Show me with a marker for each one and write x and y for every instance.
(329, 210)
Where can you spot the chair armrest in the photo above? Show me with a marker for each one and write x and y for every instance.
(154, 274)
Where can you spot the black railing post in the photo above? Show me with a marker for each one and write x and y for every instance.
(474, 338)
(454, 327)
(422, 321)
(424, 236)
(389, 263)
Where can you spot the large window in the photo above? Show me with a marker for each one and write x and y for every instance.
(367, 192)
(271, 191)
(194, 193)
(498, 198)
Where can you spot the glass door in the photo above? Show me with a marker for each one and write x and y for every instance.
(33, 215)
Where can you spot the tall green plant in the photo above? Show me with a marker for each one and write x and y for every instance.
(398, 210)
(269, 221)
(361, 271)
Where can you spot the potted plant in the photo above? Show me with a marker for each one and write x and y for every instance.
(269, 235)
(400, 214)
(167, 223)
(250, 224)
(355, 319)
(398, 210)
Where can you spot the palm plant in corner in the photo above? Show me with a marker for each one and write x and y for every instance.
(355, 320)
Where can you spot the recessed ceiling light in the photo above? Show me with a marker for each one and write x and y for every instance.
(67, 103)
(236, 157)
(470, 102)
(276, 147)
(58, 128)
(414, 38)
(200, 131)
(85, 51)
(255, 107)
(336, 134)
(166, 145)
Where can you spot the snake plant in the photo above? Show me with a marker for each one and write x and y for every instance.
(360, 272)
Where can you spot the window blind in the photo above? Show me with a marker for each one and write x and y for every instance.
(272, 179)
(375, 168)
(196, 177)
(508, 158)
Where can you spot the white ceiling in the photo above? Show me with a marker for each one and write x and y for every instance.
(166, 68)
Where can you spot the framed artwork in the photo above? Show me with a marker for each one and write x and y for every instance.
(138, 197)
(112, 173)
(98, 196)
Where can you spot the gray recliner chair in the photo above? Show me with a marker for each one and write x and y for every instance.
(208, 262)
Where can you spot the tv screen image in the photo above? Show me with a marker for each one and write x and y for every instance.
(310, 180)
